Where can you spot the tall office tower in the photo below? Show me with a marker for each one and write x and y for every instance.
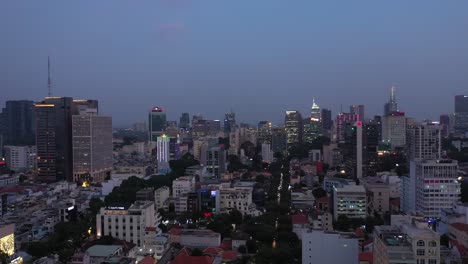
(184, 121)
(92, 147)
(216, 161)
(372, 133)
(354, 149)
(162, 153)
(461, 113)
(264, 133)
(278, 140)
(157, 123)
(140, 127)
(293, 127)
(200, 128)
(341, 120)
(391, 106)
(359, 146)
(444, 121)
(83, 107)
(424, 141)
(378, 122)
(394, 129)
(327, 121)
(229, 122)
(19, 122)
(315, 112)
(174, 147)
(54, 139)
(311, 129)
(357, 110)
(196, 118)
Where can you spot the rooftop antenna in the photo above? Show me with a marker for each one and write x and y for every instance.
(49, 82)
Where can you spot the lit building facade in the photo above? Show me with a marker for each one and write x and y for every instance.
(350, 201)
(293, 127)
(394, 129)
(162, 153)
(264, 134)
(157, 123)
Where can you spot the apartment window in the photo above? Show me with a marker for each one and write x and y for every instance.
(421, 261)
(420, 243)
(433, 243)
(433, 261)
(420, 252)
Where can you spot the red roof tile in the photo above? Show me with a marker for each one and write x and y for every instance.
(366, 256)
(148, 260)
(212, 251)
(185, 259)
(175, 231)
(229, 255)
(299, 219)
(460, 226)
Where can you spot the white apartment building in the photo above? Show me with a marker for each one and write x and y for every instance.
(126, 223)
(20, 158)
(239, 198)
(160, 196)
(378, 196)
(349, 200)
(183, 185)
(424, 141)
(394, 130)
(432, 186)
(322, 247)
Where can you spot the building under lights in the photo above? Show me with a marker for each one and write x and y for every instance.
(163, 153)
(157, 123)
(293, 127)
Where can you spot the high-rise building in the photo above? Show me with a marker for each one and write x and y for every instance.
(92, 147)
(184, 121)
(216, 161)
(391, 106)
(20, 158)
(214, 126)
(357, 110)
(372, 133)
(461, 113)
(394, 129)
(264, 132)
(157, 123)
(293, 127)
(18, 123)
(54, 139)
(342, 120)
(311, 129)
(267, 153)
(140, 127)
(444, 121)
(424, 141)
(229, 122)
(315, 112)
(278, 140)
(432, 185)
(162, 153)
(326, 117)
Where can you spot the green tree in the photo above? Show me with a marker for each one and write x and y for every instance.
(464, 191)
(235, 217)
(95, 205)
(4, 257)
(251, 246)
(197, 252)
(242, 249)
(319, 193)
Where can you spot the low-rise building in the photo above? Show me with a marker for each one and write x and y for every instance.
(457, 214)
(350, 201)
(183, 185)
(239, 198)
(392, 246)
(329, 247)
(98, 253)
(199, 238)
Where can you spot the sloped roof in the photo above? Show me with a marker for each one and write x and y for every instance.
(299, 219)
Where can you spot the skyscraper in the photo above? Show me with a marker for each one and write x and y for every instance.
(391, 106)
(18, 122)
(157, 123)
(229, 122)
(424, 141)
(394, 129)
(293, 127)
(54, 139)
(461, 113)
(327, 121)
(311, 129)
(216, 161)
(92, 147)
(315, 112)
(357, 110)
(162, 153)
(444, 121)
(264, 132)
(341, 122)
(184, 121)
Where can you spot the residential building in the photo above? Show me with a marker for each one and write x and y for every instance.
(199, 238)
(378, 197)
(157, 123)
(20, 158)
(216, 161)
(92, 147)
(126, 222)
(349, 200)
(160, 196)
(239, 198)
(457, 214)
(322, 247)
(391, 245)
(183, 185)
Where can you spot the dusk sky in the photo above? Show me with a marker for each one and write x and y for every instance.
(256, 57)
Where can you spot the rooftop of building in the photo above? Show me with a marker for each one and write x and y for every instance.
(103, 250)
(460, 226)
(299, 219)
(196, 232)
(350, 188)
(392, 236)
(184, 178)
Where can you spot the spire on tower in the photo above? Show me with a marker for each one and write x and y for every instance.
(49, 82)
(392, 95)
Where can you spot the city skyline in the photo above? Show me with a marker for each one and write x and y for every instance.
(186, 56)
